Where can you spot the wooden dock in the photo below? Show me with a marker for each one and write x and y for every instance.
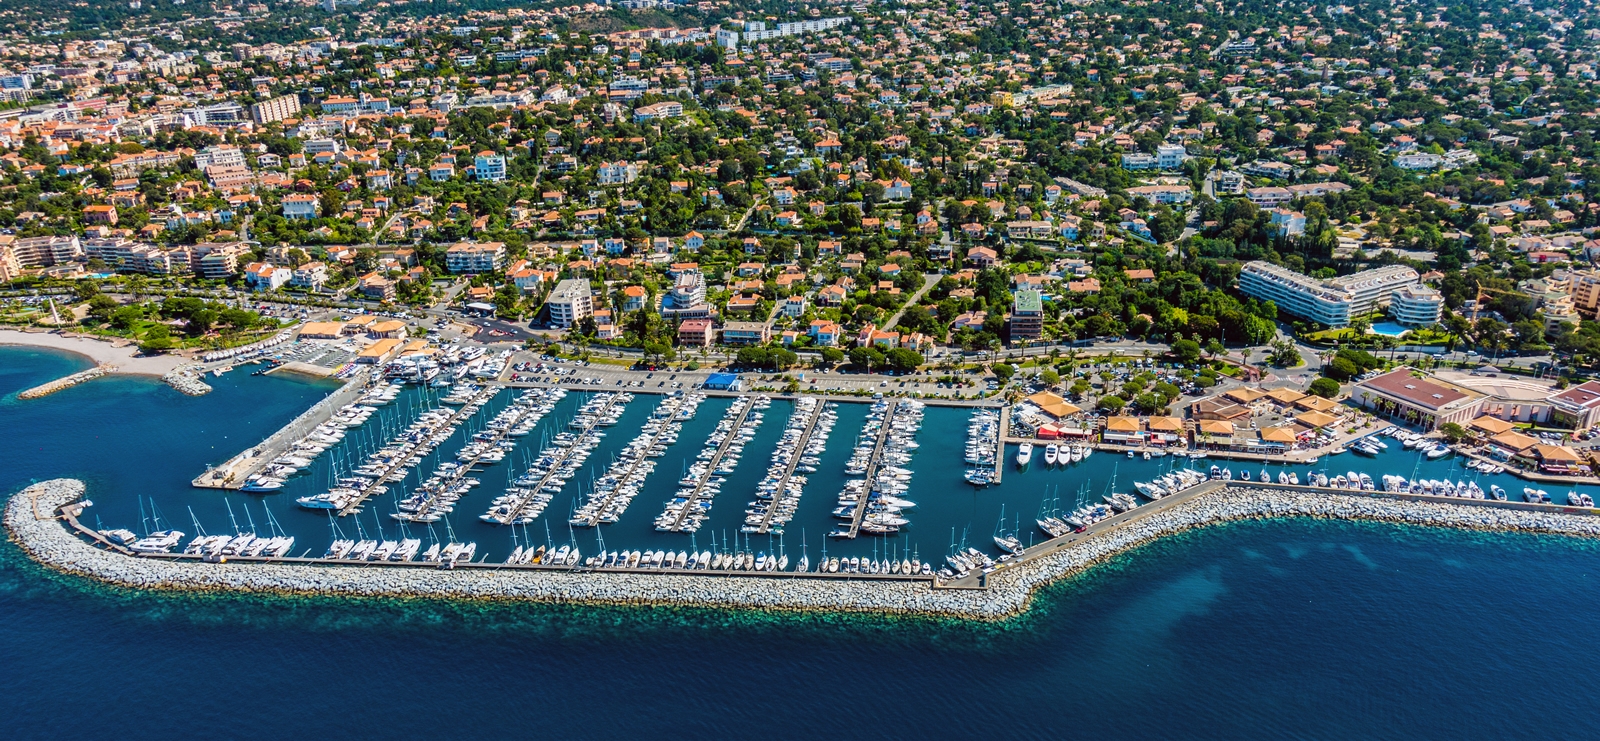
(716, 460)
(872, 468)
(788, 472)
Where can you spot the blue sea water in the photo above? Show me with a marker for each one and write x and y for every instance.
(1278, 629)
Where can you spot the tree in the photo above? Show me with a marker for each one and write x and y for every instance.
(1112, 403)
(903, 358)
(1341, 369)
(832, 355)
(1004, 371)
(866, 357)
(1049, 377)
(1326, 388)
(1186, 351)
(1149, 402)
(157, 339)
(1453, 432)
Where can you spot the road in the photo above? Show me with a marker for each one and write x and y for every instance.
(927, 284)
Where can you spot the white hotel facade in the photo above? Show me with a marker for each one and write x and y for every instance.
(1332, 302)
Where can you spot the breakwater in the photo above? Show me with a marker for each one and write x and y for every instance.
(187, 381)
(46, 389)
(33, 519)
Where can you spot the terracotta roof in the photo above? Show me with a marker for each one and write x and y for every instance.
(1317, 404)
(1122, 424)
(1316, 419)
(1514, 440)
(1555, 453)
(1491, 425)
(1165, 424)
(1053, 405)
(1279, 434)
(1217, 427)
(1285, 396)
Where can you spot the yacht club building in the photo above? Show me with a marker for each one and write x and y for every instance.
(1427, 402)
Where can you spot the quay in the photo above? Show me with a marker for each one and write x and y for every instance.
(794, 461)
(231, 474)
(38, 520)
(872, 467)
(714, 462)
(566, 453)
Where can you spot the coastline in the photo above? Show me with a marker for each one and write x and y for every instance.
(120, 359)
(30, 518)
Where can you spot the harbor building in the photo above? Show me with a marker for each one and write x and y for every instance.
(1427, 402)
(570, 302)
(1333, 301)
(1416, 306)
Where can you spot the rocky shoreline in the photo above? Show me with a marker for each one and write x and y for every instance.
(187, 381)
(47, 540)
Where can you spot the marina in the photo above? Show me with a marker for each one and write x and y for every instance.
(804, 439)
(530, 493)
(703, 480)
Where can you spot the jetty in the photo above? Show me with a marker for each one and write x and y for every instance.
(231, 474)
(715, 461)
(794, 462)
(626, 476)
(46, 389)
(1000, 445)
(872, 467)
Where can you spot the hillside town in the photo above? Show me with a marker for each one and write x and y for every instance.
(911, 186)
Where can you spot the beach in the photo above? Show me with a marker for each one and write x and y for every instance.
(124, 358)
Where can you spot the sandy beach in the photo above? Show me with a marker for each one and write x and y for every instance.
(125, 358)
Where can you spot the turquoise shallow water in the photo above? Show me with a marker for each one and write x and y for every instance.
(1290, 629)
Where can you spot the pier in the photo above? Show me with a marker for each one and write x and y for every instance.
(231, 474)
(566, 452)
(872, 467)
(1000, 445)
(403, 459)
(711, 465)
(460, 472)
(640, 460)
(794, 461)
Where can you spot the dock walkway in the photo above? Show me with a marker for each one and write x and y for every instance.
(594, 520)
(403, 460)
(711, 465)
(466, 467)
(562, 458)
(794, 460)
(872, 467)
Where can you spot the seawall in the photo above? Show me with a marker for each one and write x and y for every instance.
(32, 519)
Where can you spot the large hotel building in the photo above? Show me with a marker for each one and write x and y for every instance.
(1333, 301)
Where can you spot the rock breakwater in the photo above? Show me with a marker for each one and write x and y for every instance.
(30, 518)
(46, 389)
(187, 381)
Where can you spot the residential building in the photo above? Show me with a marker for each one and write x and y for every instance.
(472, 258)
(301, 206)
(746, 333)
(1170, 156)
(687, 297)
(490, 167)
(1416, 306)
(695, 333)
(275, 109)
(1027, 315)
(310, 275)
(264, 276)
(1333, 302)
(45, 252)
(570, 302)
(616, 173)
